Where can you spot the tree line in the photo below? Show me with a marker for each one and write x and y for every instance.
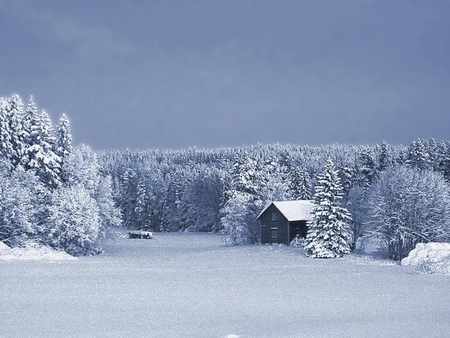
(396, 194)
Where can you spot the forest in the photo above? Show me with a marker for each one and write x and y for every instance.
(68, 197)
(399, 195)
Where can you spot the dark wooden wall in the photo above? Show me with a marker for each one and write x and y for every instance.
(267, 225)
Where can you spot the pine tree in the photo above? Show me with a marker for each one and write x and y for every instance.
(63, 142)
(109, 214)
(347, 177)
(128, 198)
(237, 222)
(6, 147)
(328, 234)
(418, 155)
(73, 221)
(20, 199)
(18, 135)
(385, 159)
(11, 132)
(443, 159)
(31, 130)
(31, 124)
(300, 183)
(367, 168)
(143, 218)
(40, 155)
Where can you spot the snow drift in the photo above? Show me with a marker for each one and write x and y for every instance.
(32, 251)
(429, 252)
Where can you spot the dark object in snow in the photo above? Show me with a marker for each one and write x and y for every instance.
(140, 234)
(282, 221)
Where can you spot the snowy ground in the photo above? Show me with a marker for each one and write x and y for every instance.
(32, 251)
(190, 285)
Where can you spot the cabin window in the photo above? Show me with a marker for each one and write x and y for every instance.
(274, 216)
(274, 235)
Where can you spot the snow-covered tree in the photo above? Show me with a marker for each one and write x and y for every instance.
(171, 213)
(73, 221)
(328, 234)
(128, 197)
(275, 188)
(347, 178)
(237, 222)
(300, 183)
(202, 200)
(18, 135)
(11, 130)
(81, 167)
(40, 157)
(442, 159)
(367, 167)
(21, 195)
(357, 206)
(109, 214)
(63, 141)
(33, 201)
(408, 206)
(418, 155)
(385, 157)
(142, 207)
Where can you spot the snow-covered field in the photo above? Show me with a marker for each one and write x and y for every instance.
(190, 285)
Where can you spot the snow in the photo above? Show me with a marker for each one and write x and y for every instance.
(32, 252)
(191, 285)
(293, 210)
(439, 266)
(3, 247)
(423, 253)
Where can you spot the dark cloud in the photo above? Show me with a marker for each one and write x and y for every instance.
(143, 74)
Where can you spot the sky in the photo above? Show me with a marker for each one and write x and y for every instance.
(176, 74)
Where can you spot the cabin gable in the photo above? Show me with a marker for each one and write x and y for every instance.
(274, 226)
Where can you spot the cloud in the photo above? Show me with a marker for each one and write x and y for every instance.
(89, 42)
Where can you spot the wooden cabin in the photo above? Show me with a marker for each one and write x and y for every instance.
(281, 221)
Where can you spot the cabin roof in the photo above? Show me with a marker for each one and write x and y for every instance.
(293, 210)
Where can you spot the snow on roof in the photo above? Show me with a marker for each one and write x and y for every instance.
(293, 210)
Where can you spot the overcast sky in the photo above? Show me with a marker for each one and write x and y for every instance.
(174, 74)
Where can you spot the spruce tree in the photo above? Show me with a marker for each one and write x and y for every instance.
(300, 183)
(328, 234)
(11, 133)
(443, 159)
(73, 221)
(128, 197)
(40, 156)
(367, 168)
(31, 125)
(108, 212)
(141, 207)
(6, 146)
(418, 155)
(63, 143)
(64, 138)
(385, 158)
(18, 134)
(237, 220)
